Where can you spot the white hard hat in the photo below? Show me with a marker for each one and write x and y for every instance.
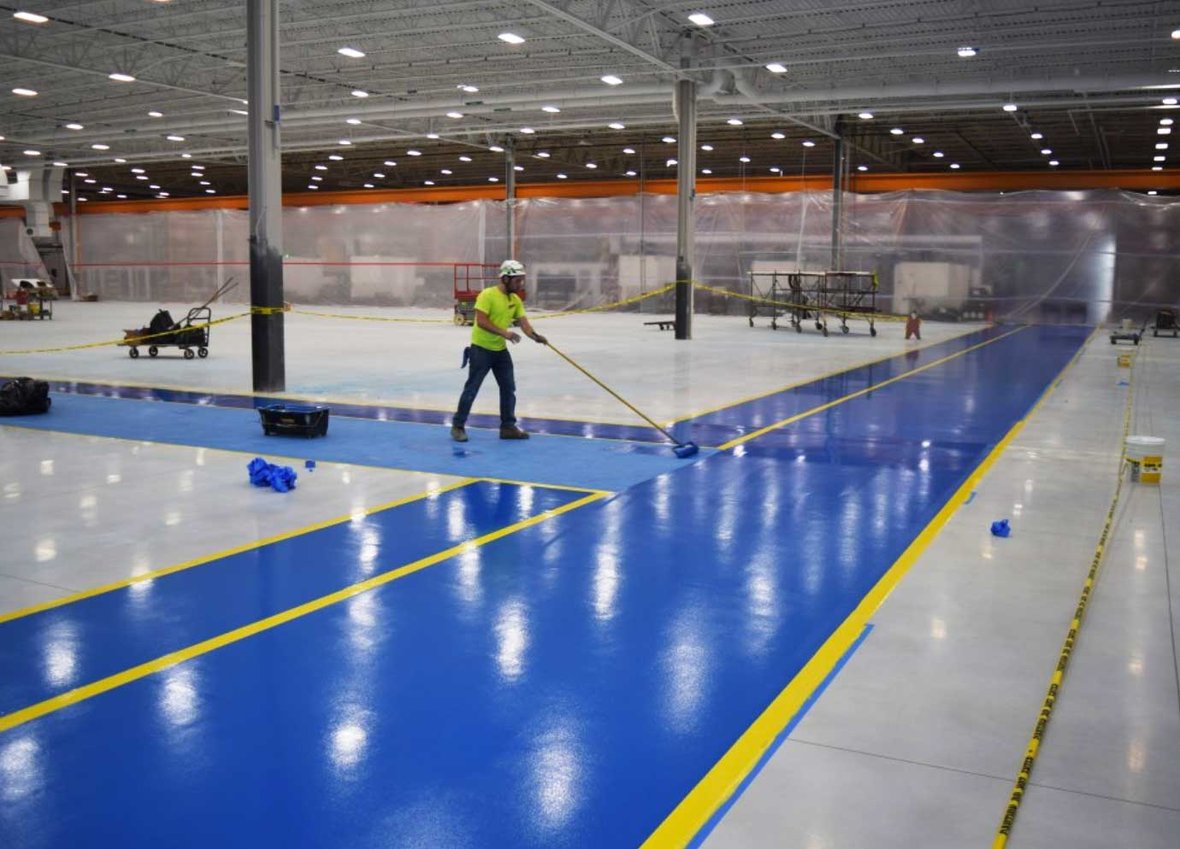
(511, 268)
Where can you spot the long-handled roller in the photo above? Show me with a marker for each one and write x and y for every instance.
(680, 449)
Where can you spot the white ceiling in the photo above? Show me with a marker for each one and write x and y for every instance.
(1084, 73)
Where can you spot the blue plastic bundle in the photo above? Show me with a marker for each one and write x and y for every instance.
(1000, 528)
(279, 478)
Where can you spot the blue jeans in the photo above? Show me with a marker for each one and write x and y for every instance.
(499, 363)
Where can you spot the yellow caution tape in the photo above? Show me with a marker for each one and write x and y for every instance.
(129, 341)
(1034, 743)
(373, 317)
(634, 299)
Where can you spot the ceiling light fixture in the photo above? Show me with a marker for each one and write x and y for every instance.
(32, 152)
(629, 174)
(1159, 159)
(552, 110)
(369, 185)
(670, 163)
(493, 179)
(446, 171)
(668, 140)
(470, 89)
(591, 165)
(432, 135)
(120, 161)
(155, 114)
(776, 68)
(542, 154)
(463, 158)
(186, 156)
(1169, 101)
(563, 176)
(511, 38)
(865, 116)
(1164, 131)
(1010, 107)
(1054, 163)
(138, 171)
(380, 175)
(706, 171)
(344, 142)
(61, 164)
(734, 122)
(495, 148)
(611, 79)
(413, 153)
(629, 150)
(517, 167)
(1161, 145)
(862, 168)
(351, 52)
(918, 140)
(353, 121)
(321, 167)
(938, 154)
(24, 92)
(966, 52)
(808, 143)
(175, 138)
(955, 166)
(101, 146)
(743, 159)
(707, 148)
(617, 125)
(121, 77)
(528, 131)
(1164, 122)
(359, 92)
(1152, 191)
(1045, 151)
(701, 19)
(778, 136)
(1036, 136)
(455, 115)
(336, 157)
(30, 17)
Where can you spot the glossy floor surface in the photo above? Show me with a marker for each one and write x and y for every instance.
(583, 640)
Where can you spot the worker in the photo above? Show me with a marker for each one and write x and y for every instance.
(496, 308)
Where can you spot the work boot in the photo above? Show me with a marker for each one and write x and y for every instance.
(458, 433)
(512, 432)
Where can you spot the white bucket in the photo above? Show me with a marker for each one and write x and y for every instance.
(1145, 455)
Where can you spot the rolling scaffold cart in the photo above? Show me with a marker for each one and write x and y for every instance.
(471, 278)
(814, 295)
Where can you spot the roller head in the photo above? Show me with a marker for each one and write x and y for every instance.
(685, 450)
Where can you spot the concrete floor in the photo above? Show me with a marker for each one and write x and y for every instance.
(915, 742)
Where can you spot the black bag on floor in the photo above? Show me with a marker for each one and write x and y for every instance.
(24, 396)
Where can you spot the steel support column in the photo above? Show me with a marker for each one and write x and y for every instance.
(686, 181)
(510, 194)
(266, 196)
(838, 164)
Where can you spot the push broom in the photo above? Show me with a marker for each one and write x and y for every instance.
(680, 449)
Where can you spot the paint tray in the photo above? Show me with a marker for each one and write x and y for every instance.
(294, 420)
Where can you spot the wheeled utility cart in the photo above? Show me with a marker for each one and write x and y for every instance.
(471, 278)
(191, 334)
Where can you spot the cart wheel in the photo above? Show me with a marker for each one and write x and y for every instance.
(459, 319)
(1136, 340)
(153, 350)
(819, 325)
(189, 353)
(751, 320)
(872, 331)
(773, 324)
(202, 352)
(134, 353)
(825, 331)
(843, 328)
(1112, 340)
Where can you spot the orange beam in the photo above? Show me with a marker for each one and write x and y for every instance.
(12, 212)
(866, 183)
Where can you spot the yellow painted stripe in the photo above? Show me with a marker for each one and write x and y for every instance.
(1056, 679)
(127, 676)
(723, 780)
(229, 552)
(806, 380)
(876, 386)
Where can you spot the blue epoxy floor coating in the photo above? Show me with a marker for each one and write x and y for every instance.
(565, 685)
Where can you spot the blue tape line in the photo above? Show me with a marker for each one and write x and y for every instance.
(720, 813)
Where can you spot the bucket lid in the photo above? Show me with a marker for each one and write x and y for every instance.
(1145, 441)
